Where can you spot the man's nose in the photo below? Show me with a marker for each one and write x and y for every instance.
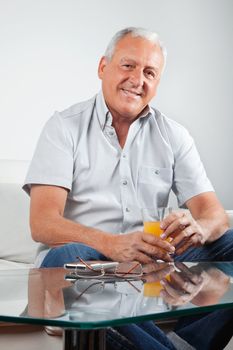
(137, 78)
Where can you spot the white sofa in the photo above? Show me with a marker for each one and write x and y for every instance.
(18, 250)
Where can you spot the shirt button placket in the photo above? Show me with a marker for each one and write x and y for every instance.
(125, 188)
(125, 183)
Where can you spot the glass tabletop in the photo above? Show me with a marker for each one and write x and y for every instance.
(64, 298)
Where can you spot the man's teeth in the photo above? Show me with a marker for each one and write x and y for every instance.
(131, 92)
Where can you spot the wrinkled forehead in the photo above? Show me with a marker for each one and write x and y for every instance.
(138, 50)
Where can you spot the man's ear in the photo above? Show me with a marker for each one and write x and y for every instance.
(101, 67)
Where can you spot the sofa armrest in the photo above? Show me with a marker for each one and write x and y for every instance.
(16, 242)
(230, 215)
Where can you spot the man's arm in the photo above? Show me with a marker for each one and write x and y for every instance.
(210, 215)
(208, 221)
(50, 227)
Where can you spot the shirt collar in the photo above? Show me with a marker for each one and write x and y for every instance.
(147, 112)
(104, 115)
(102, 110)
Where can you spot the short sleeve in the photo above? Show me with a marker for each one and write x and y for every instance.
(52, 162)
(190, 178)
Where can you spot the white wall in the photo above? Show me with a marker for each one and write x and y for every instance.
(49, 56)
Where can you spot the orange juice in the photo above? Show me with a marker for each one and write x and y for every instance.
(153, 227)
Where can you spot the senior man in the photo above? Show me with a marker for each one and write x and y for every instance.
(100, 161)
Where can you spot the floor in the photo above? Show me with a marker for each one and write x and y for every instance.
(21, 337)
(230, 345)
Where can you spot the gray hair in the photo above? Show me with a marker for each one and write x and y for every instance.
(135, 32)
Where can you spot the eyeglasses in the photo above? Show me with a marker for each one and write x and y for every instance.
(132, 270)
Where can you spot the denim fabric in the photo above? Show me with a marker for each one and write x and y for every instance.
(220, 250)
(67, 253)
(209, 331)
(144, 336)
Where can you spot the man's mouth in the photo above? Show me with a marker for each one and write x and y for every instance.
(132, 93)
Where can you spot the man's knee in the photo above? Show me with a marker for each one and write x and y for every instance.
(70, 252)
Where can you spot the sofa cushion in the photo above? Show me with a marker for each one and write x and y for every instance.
(13, 265)
(16, 242)
(230, 215)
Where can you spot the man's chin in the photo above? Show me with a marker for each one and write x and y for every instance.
(131, 113)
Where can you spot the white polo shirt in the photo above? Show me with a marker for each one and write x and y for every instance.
(78, 149)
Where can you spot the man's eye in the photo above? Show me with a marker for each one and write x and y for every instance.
(150, 74)
(128, 66)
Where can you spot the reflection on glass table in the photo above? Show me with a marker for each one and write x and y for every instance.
(163, 289)
(72, 300)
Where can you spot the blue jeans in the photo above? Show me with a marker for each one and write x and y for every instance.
(212, 331)
(220, 250)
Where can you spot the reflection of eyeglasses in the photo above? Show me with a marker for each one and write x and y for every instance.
(97, 286)
(91, 287)
(123, 271)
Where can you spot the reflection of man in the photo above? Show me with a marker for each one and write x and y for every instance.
(45, 296)
(98, 162)
(202, 284)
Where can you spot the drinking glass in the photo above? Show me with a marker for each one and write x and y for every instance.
(152, 218)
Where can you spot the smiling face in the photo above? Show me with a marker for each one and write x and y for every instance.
(131, 77)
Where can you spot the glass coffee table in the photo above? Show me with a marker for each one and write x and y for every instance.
(85, 306)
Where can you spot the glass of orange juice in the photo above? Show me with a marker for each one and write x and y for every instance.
(152, 218)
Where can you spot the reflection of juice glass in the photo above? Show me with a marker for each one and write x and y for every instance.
(153, 289)
(152, 218)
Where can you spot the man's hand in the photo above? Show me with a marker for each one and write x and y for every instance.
(184, 231)
(156, 271)
(206, 223)
(139, 246)
(183, 286)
